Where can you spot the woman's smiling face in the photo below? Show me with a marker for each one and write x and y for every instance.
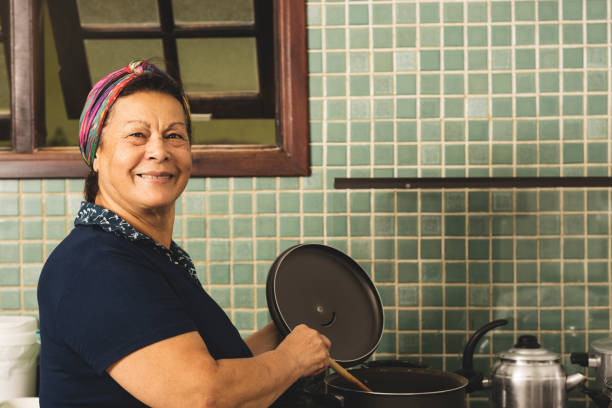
(144, 159)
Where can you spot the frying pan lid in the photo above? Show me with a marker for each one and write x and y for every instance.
(327, 290)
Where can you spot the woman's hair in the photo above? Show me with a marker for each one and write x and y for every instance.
(154, 81)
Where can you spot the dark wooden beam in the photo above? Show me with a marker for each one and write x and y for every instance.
(74, 72)
(24, 23)
(50, 163)
(292, 81)
(229, 106)
(169, 41)
(5, 127)
(38, 66)
(471, 182)
(264, 22)
(5, 35)
(207, 161)
(245, 161)
(108, 32)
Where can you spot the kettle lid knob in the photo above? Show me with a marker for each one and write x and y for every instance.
(527, 342)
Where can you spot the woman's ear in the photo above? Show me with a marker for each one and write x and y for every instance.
(95, 166)
(95, 163)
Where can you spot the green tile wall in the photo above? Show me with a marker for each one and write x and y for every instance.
(403, 88)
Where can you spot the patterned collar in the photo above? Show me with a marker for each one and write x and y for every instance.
(93, 214)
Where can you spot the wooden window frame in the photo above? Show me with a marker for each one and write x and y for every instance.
(5, 120)
(289, 157)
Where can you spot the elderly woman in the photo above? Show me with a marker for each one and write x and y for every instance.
(124, 320)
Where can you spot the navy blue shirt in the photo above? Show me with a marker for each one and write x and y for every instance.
(106, 291)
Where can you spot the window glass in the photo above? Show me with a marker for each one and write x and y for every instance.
(5, 100)
(118, 12)
(218, 65)
(234, 131)
(104, 56)
(209, 12)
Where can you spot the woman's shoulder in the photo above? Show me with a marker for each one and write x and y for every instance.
(86, 240)
(89, 249)
(87, 260)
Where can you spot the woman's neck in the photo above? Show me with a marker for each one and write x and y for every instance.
(157, 223)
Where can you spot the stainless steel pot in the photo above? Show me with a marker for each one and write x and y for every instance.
(600, 357)
(529, 376)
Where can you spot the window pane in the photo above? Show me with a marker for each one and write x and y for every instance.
(118, 12)
(218, 65)
(213, 12)
(234, 131)
(61, 131)
(5, 100)
(104, 56)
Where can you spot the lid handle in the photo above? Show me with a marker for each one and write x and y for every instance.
(527, 341)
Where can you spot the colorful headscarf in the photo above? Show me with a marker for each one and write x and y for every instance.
(101, 99)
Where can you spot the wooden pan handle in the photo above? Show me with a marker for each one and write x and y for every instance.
(347, 376)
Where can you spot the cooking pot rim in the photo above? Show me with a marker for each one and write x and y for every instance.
(458, 377)
(424, 394)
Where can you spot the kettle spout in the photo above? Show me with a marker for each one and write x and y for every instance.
(573, 380)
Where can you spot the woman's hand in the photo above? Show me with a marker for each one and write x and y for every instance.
(307, 349)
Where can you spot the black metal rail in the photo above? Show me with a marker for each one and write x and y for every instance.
(470, 182)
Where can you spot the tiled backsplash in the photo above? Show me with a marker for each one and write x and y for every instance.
(405, 88)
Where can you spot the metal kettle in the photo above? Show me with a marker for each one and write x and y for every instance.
(526, 376)
(529, 376)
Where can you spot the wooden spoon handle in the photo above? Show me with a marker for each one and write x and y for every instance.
(347, 376)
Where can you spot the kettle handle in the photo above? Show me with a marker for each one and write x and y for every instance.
(467, 366)
(470, 347)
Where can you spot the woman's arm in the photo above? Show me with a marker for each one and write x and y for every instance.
(264, 340)
(179, 372)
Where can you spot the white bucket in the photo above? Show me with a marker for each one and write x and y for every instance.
(20, 403)
(19, 350)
